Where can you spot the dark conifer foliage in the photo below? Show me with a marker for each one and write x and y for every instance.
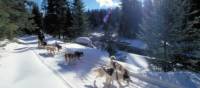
(37, 17)
(65, 18)
(79, 21)
(96, 19)
(14, 18)
(171, 34)
(130, 18)
(51, 18)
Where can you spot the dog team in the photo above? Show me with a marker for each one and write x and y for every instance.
(113, 72)
(52, 49)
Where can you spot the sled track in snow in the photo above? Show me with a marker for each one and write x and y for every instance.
(54, 71)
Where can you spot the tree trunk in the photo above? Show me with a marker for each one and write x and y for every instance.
(165, 49)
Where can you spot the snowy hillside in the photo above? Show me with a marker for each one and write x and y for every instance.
(25, 66)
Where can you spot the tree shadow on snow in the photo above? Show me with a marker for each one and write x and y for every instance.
(91, 58)
(28, 38)
(34, 40)
(45, 55)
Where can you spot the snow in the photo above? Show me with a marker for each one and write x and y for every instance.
(24, 66)
(136, 43)
(138, 62)
(21, 69)
(183, 79)
(4, 42)
(85, 41)
(97, 34)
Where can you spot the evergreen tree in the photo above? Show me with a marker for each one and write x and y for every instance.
(65, 18)
(196, 27)
(151, 29)
(79, 19)
(62, 12)
(50, 21)
(131, 18)
(14, 18)
(37, 17)
(58, 18)
(95, 17)
(167, 30)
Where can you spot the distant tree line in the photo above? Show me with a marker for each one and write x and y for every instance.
(97, 16)
(124, 20)
(60, 18)
(64, 19)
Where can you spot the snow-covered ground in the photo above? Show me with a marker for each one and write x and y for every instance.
(135, 43)
(24, 66)
(22, 69)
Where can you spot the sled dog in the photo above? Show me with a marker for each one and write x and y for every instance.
(50, 49)
(59, 47)
(70, 57)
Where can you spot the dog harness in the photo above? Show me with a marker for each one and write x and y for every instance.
(109, 71)
(126, 76)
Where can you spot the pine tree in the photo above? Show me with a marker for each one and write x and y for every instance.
(151, 30)
(37, 17)
(196, 27)
(51, 19)
(130, 19)
(79, 19)
(14, 18)
(167, 29)
(58, 18)
(65, 18)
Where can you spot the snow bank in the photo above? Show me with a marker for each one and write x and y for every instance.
(84, 41)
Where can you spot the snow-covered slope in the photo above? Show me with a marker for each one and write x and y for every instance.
(25, 66)
(20, 68)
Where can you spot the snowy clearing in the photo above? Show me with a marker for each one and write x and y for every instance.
(25, 66)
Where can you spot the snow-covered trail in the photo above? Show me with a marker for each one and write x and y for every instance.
(79, 75)
(20, 68)
(25, 66)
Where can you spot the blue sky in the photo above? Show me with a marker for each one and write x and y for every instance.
(91, 4)
(95, 4)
